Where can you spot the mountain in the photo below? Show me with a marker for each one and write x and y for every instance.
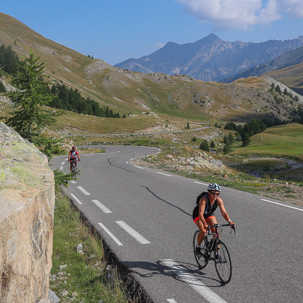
(210, 59)
(125, 91)
(287, 59)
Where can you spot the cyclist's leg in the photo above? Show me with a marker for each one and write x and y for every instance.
(212, 220)
(202, 231)
(71, 166)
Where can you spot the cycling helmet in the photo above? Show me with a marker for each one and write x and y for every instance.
(74, 147)
(214, 186)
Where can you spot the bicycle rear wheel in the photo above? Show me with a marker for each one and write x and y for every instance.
(223, 262)
(74, 170)
(200, 259)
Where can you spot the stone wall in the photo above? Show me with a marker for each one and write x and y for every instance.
(27, 200)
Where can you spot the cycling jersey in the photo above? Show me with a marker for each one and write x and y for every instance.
(73, 154)
(209, 210)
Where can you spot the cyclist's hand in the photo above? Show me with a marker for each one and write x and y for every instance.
(206, 227)
(233, 226)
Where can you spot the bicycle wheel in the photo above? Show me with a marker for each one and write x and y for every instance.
(200, 259)
(223, 262)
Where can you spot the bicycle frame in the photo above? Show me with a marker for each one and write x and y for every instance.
(216, 250)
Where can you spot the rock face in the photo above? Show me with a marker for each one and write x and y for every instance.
(27, 199)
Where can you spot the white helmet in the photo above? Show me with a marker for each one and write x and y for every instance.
(214, 186)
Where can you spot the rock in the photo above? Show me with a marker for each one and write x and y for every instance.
(63, 266)
(79, 248)
(27, 199)
(64, 293)
(53, 297)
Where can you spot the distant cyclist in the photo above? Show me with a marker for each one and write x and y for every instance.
(73, 155)
(203, 213)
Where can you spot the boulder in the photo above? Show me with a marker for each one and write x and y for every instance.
(27, 198)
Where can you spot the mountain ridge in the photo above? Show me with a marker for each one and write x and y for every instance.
(210, 58)
(127, 92)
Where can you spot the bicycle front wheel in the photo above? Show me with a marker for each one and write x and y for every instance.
(200, 259)
(223, 262)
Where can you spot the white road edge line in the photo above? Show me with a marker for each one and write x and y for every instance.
(163, 174)
(86, 193)
(201, 183)
(61, 167)
(171, 301)
(133, 232)
(74, 182)
(63, 163)
(110, 234)
(102, 207)
(282, 204)
(76, 198)
(197, 285)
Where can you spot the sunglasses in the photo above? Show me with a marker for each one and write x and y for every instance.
(215, 194)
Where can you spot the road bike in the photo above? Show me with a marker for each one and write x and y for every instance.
(214, 249)
(74, 167)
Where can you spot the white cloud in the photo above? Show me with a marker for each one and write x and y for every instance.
(157, 45)
(293, 7)
(242, 14)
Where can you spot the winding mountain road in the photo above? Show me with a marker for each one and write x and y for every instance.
(145, 217)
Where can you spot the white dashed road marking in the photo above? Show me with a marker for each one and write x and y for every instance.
(201, 183)
(138, 167)
(132, 232)
(163, 174)
(110, 234)
(86, 193)
(171, 301)
(197, 285)
(76, 198)
(102, 207)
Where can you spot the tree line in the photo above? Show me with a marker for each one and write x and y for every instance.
(9, 61)
(70, 99)
(63, 97)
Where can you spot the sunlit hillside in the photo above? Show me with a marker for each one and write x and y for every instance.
(127, 92)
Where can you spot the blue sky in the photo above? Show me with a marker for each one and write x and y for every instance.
(115, 30)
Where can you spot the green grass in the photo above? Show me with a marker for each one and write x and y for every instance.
(280, 141)
(85, 274)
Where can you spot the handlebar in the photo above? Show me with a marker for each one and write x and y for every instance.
(216, 226)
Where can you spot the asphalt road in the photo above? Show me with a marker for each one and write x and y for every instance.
(145, 215)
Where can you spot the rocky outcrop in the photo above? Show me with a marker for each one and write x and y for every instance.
(27, 200)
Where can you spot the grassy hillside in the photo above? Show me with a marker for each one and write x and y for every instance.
(279, 141)
(129, 92)
(292, 76)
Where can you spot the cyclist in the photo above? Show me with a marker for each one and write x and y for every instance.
(203, 213)
(73, 155)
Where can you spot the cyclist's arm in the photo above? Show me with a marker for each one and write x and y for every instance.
(202, 205)
(224, 212)
(78, 156)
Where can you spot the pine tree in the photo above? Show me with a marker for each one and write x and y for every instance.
(204, 145)
(230, 138)
(29, 115)
(245, 139)
(227, 148)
